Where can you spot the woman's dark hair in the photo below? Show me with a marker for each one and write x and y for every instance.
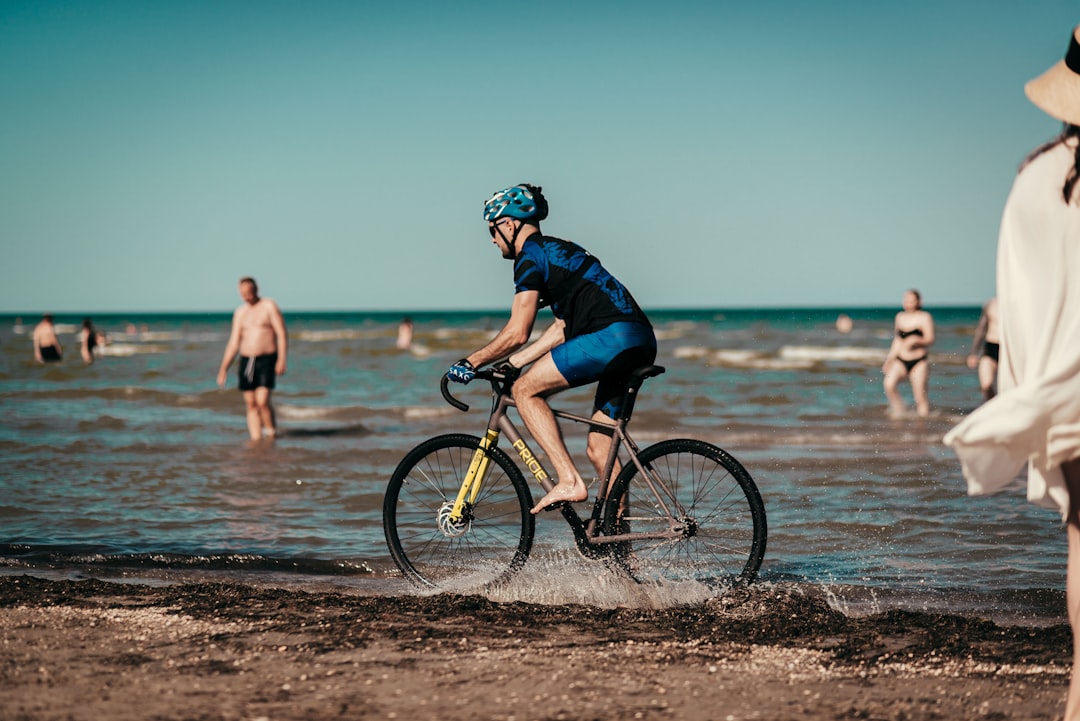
(1067, 133)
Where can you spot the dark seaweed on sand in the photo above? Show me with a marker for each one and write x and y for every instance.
(762, 615)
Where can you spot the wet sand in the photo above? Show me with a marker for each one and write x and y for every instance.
(97, 650)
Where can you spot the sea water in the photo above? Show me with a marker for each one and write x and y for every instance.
(138, 465)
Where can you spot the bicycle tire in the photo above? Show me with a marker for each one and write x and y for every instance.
(488, 547)
(726, 531)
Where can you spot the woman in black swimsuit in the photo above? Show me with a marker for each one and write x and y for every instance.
(907, 358)
(88, 339)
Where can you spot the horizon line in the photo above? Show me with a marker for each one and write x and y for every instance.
(500, 310)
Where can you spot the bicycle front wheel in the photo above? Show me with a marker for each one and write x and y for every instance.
(490, 542)
(703, 500)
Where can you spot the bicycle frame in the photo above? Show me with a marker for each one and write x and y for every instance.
(586, 533)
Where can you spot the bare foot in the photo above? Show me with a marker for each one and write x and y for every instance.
(570, 491)
(896, 412)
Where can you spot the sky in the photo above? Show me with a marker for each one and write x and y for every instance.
(712, 154)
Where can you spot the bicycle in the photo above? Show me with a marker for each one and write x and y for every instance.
(457, 506)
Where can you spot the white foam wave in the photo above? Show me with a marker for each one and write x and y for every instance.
(786, 358)
(422, 412)
(315, 413)
(130, 349)
(307, 412)
(742, 358)
(668, 333)
(674, 330)
(321, 336)
(153, 335)
(693, 351)
(472, 333)
(839, 353)
(205, 337)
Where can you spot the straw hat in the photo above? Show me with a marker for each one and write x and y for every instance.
(1057, 91)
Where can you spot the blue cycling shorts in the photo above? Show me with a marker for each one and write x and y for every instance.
(609, 355)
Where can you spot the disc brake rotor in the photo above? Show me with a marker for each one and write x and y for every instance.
(448, 527)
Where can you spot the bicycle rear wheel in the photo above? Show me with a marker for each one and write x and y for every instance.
(712, 500)
(492, 540)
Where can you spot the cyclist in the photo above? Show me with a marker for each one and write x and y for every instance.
(599, 334)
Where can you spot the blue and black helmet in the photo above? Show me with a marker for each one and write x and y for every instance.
(524, 202)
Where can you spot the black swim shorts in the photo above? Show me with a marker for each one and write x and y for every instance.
(257, 372)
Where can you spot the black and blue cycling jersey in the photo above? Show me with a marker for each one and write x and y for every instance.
(606, 335)
(580, 291)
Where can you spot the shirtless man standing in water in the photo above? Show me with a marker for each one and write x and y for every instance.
(47, 348)
(258, 335)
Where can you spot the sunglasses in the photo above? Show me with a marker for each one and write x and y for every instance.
(497, 223)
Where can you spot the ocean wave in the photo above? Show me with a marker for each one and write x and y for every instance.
(195, 337)
(858, 354)
(797, 357)
(157, 335)
(741, 358)
(224, 400)
(351, 413)
(176, 336)
(422, 412)
(323, 336)
(837, 353)
(463, 334)
(819, 439)
(211, 399)
(674, 330)
(129, 349)
(23, 556)
(305, 413)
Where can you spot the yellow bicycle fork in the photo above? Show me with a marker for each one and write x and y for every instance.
(474, 477)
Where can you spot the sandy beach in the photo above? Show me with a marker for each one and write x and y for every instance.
(97, 650)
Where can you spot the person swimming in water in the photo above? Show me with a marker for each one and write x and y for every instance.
(405, 334)
(907, 357)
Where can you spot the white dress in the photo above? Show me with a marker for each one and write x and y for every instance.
(1035, 418)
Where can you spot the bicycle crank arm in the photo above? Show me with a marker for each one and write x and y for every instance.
(582, 540)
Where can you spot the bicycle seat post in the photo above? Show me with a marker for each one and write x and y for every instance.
(637, 378)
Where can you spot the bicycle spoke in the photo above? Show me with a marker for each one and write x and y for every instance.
(712, 501)
(495, 532)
